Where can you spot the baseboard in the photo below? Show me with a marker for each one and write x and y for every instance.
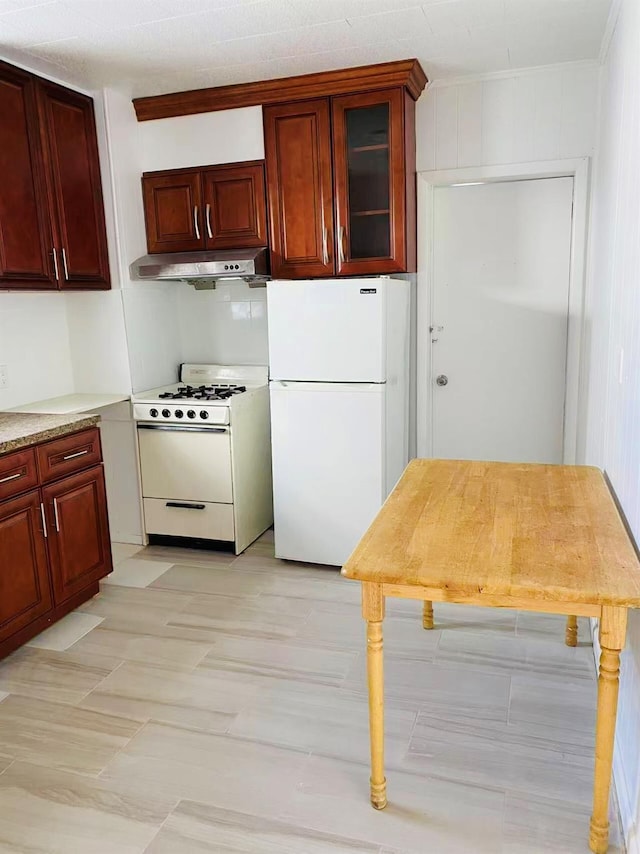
(626, 808)
(130, 539)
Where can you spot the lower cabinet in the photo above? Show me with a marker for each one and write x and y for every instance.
(79, 547)
(25, 591)
(54, 537)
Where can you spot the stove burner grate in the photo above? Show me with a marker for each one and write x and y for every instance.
(203, 392)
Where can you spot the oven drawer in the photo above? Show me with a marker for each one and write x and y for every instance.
(196, 519)
(70, 454)
(18, 473)
(185, 464)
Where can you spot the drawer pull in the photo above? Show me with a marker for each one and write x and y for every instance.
(44, 520)
(55, 514)
(11, 477)
(185, 505)
(73, 456)
(182, 428)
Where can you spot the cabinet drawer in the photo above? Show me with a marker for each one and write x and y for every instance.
(72, 453)
(18, 473)
(192, 519)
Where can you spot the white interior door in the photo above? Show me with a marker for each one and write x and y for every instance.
(500, 315)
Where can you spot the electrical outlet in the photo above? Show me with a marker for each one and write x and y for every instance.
(4, 376)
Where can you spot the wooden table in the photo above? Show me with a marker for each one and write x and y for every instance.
(507, 535)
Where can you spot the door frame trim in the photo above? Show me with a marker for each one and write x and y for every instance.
(575, 400)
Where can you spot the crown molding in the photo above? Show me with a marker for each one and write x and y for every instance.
(609, 30)
(405, 72)
(440, 82)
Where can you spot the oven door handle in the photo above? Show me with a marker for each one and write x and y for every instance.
(186, 428)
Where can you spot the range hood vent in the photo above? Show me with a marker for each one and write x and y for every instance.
(204, 269)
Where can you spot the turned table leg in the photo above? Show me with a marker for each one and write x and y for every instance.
(571, 634)
(427, 615)
(613, 625)
(373, 612)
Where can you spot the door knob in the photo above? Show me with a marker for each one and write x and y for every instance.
(442, 379)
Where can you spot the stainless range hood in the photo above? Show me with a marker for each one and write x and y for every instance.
(204, 269)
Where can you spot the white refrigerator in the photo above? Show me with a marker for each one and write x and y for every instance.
(339, 385)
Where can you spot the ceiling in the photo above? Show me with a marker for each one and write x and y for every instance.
(156, 46)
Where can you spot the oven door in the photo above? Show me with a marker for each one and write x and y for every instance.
(186, 463)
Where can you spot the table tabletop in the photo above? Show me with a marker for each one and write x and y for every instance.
(505, 529)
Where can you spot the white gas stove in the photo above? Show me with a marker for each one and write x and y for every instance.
(205, 455)
(206, 395)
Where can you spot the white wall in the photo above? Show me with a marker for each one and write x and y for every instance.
(613, 326)
(205, 139)
(539, 114)
(34, 345)
(149, 309)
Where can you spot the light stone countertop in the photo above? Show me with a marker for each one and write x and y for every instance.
(20, 430)
(71, 404)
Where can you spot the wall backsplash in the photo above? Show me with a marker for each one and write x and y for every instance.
(227, 325)
(34, 346)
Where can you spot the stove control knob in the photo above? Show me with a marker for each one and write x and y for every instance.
(166, 413)
(191, 413)
(178, 413)
(204, 414)
(153, 413)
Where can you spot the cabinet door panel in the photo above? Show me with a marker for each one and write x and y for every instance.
(369, 182)
(69, 126)
(79, 546)
(235, 207)
(25, 593)
(173, 211)
(26, 241)
(299, 192)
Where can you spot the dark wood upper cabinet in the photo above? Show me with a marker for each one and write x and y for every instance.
(173, 211)
(235, 210)
(52, 227)
(208, 207)
(26, 241)
(25, 593)
(79, 547)
(369, 182)
(341, 190)
(299, 192)
(71, 149)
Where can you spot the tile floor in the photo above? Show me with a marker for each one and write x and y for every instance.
(207, 703)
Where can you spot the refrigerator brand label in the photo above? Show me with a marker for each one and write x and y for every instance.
(368, 291)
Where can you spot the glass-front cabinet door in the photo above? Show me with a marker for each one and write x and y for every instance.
(369, 182)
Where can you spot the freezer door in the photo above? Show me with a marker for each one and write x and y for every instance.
(327, 330)
(328, 467)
